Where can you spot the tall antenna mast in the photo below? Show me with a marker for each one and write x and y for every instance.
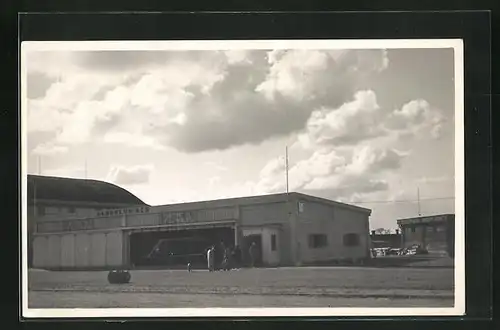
(286, 167)
(418, 201)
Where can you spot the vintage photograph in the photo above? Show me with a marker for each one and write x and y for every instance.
(242, 178)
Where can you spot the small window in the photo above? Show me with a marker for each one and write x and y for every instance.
(317, 241)
(351, 240)
(430, 229)
(71, 209)
(412, 229)
(273, 242)
(440, 228)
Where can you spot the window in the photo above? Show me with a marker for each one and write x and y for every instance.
(412, 229)
(273, 242)
(317, 241)
(430, 229)
(71, 209)
(351, 240)
(440, 228)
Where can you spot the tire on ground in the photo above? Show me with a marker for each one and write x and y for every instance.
(119, 277)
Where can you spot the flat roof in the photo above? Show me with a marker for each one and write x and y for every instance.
(252, 200)
(425, 219)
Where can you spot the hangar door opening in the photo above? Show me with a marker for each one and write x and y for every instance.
(177, 248)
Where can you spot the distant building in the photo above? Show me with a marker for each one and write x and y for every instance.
(56, 198)
(436, 233)
(386, 240)
(288, 229)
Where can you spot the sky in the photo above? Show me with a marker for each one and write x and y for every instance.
(373, 127)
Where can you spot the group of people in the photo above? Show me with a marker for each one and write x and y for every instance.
(221, 257)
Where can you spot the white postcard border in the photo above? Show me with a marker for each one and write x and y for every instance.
(459, 272)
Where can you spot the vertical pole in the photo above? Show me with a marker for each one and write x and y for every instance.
(235, 228)
(286, 167)
(39, 165)
(418, 201)
(85, 168)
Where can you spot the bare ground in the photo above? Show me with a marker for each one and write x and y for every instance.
(306, 287)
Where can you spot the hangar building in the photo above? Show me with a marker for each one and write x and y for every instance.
(288, 229)
(56, 198)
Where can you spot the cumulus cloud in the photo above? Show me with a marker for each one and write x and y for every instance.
(362, 119)
(37, 84)
(416, 117)
(132, 175)
(354, 121)
(49, 149)
(197, 101)
(341, 174)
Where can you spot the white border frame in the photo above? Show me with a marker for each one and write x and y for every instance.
(456, 44)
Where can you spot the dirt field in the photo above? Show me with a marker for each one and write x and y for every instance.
(280, 287)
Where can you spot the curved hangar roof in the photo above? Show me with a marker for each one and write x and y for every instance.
(79, 190)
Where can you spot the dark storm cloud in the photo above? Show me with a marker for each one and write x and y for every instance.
(38, 84)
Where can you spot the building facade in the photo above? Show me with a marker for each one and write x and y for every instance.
(435, 233)
(63, 199)
(289, 229)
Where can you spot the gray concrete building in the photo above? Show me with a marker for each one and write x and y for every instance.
(288, 229)
(435, 233)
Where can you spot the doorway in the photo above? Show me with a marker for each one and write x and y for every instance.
(247, 242)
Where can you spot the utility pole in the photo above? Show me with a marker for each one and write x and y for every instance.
(286, 167)
(418, 201)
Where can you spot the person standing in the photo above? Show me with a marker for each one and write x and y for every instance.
(236, 257)
(252, 251)
(210, 259)
(219, 255)
(227, 264)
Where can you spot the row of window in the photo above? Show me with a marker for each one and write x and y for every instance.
(318, 241)
(124, 211)
(430, 229)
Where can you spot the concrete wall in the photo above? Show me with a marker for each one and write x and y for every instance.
(272, 213)
(52, 213)
(413, 236)
(263, 214)
(334, 222)
(432, 236)
(269, 256)
(79, 250)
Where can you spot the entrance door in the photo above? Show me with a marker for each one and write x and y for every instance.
(247, 242)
